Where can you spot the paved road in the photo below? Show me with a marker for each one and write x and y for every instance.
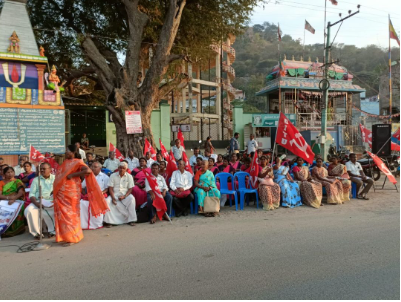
(336, 252)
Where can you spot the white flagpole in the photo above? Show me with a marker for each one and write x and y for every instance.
(303, 50)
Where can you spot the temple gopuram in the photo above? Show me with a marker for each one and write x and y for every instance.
(31, 107)
(296, 92)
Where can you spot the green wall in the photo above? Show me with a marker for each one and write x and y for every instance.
(160, 121)
(240, 119)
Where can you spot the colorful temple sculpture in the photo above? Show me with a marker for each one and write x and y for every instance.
(293, 88)
(31, 108)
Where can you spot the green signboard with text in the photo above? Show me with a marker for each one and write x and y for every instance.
(269, 120)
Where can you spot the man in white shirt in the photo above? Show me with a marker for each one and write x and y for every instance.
(89, 222)
(149, 159)
(252, 146)
(111, 163)
(161, 183)
(209, 155)
(32, 211)
(192, 159)
(177, 150)
(180, 185)
(133, 162)
(120, 201)
(357, 176)
(81, 152)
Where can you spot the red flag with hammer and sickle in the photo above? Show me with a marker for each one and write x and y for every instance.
(158, 202)
(366, 135)
(382, 167)
(164, 151)
(289, 137)
(119, 156)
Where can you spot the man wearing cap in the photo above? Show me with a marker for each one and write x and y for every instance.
(121, 202)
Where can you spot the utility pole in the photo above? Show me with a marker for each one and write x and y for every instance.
(325, 83)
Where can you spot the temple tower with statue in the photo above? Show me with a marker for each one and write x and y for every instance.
(31, 108)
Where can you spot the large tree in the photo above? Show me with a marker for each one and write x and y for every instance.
(109, 41)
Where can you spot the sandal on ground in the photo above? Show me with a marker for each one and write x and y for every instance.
(50, 235)
(68, 244)
(364, 197)
(108, 226)
(360, 197)
(37, 237)
(131, 223)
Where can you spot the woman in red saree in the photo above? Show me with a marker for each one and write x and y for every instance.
(138, 191)
(67, 194)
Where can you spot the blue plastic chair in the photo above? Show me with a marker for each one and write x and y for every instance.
(353, 189)
(243, 189)
(223, 179)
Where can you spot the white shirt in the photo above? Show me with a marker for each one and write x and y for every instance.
(214, 156)
(181, 180)
(121, 185)
(353, 168)
(102, 180)
(111, 164)
(177, 152)
(161, 182)
(252, 146)
(83, 154)
(132, 163)
(149, 163)
(192, 159)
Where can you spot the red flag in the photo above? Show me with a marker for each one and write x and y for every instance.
(180, 136)
(35, 155)
(395, 147)
(52, 163)
(171, 165)
(383, 167)
(164, 151)
(254, 171)
(158, 202)
(187, 165)
(119, 156)
(148, 148)
(289, 138)
(396, 134)
(366, 135)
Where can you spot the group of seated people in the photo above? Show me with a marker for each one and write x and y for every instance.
(127, 191)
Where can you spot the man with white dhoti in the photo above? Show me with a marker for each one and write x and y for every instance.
(88, 221)
(32, 211)
(121, 202)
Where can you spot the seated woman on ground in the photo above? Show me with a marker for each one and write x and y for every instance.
(138, 191)
(333, 186)
(269, 192)
(339, 170)
(311, 190)
(205, 185)
(290, 193)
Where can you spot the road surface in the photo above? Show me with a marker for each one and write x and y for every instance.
(349, 251)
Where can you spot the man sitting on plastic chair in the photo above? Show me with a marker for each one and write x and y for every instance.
(355, 171)
(180, 184)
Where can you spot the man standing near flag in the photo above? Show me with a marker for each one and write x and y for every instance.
(177, 150)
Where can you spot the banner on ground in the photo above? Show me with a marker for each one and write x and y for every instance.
(289, 138)
(383, 167)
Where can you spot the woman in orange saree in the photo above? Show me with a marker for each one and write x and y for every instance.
(67, 194)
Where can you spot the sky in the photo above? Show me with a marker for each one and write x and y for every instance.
(368, 27)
